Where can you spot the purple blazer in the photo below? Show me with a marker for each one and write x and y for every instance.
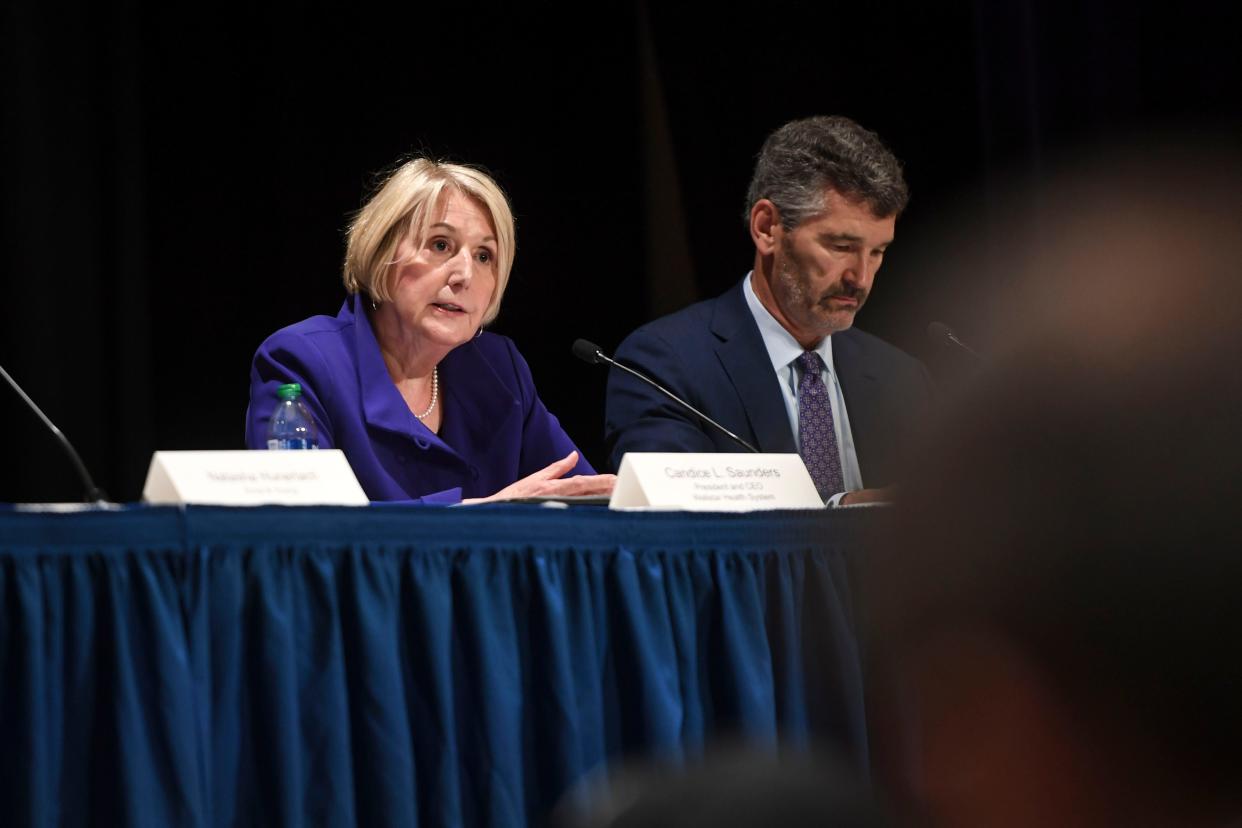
(495, 430)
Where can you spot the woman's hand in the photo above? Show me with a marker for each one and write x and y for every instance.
(550, 481)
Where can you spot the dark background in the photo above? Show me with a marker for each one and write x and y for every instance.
(175, 180)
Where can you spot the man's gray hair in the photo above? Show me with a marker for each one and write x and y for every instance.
(804, 158)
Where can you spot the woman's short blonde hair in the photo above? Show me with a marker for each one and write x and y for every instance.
(403, 207)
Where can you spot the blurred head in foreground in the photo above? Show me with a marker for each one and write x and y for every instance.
(1060, 613)
(733, 787)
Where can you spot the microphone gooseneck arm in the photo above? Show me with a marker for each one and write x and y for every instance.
(943, 333)
(94, 494)
(589, 352)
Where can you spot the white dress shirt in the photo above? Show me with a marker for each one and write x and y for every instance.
(784, 351)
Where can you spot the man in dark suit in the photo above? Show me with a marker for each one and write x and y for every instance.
(775, 359)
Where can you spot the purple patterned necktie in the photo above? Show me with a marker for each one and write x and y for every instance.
(817, 435)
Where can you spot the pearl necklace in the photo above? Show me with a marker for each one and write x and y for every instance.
(435, 393)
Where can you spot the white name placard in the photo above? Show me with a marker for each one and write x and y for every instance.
(714, 482)
(253, 478)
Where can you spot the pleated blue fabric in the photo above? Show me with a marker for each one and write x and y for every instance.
(404, 666)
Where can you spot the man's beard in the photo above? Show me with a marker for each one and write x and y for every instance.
(796, 288)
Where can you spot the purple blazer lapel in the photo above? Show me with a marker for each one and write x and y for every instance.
(383, 407)
(479, 404)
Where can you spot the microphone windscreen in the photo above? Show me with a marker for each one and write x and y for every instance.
(586, 351)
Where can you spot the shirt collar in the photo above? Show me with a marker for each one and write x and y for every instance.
(782, 348)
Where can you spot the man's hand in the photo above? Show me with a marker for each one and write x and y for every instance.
(884, 495)
(550, 481)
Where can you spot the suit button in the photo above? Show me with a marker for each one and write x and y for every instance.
(422, 444)
(401, 459)
(474, 472)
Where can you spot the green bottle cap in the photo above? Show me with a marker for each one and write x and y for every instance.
(289, 391)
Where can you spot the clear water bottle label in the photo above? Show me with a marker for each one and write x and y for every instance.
(287, 443)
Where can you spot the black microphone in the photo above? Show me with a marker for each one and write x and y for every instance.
(94, 494)
(942, 333)
(590, 352)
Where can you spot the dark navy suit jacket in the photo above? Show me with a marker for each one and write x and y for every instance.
(495, 430)
(712, 355)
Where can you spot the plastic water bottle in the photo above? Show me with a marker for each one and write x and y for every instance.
(291, 425)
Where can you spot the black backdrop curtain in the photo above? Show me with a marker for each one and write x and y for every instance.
(175, 179)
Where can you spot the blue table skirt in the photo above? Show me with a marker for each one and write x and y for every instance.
(403, 666)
